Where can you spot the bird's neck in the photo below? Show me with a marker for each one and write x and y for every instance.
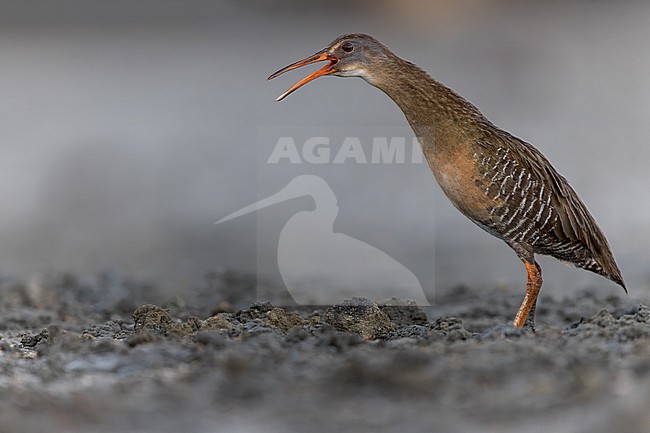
(437, 114)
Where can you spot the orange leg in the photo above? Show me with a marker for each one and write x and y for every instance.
(533, 285)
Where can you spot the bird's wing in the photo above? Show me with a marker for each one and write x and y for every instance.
(575, 222)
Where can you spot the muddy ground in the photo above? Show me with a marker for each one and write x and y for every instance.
(96, 355)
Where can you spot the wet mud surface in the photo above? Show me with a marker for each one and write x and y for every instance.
(99, 356)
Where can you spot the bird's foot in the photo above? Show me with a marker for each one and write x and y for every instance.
(529, 325)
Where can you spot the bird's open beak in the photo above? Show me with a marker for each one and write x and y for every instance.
(321, 56)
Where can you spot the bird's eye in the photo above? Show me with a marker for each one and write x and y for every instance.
(347, 47)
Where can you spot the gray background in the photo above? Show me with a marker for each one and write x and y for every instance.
(128, 128)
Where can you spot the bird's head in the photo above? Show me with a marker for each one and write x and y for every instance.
(353, 55)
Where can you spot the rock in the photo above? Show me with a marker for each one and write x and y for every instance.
(31, 340)
(153, 319)
(450, 328)
(284, 320)
(157, 321)
(218, 321)
(360, 316)
(403, 312)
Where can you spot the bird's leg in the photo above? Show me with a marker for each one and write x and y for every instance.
(533, 285)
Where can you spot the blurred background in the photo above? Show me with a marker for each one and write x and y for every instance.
(128, 128)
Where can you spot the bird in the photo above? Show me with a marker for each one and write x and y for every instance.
(322, 267)
(500, 182)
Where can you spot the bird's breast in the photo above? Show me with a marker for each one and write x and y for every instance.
(461, 179)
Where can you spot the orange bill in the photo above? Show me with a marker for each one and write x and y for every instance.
(321, 56)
